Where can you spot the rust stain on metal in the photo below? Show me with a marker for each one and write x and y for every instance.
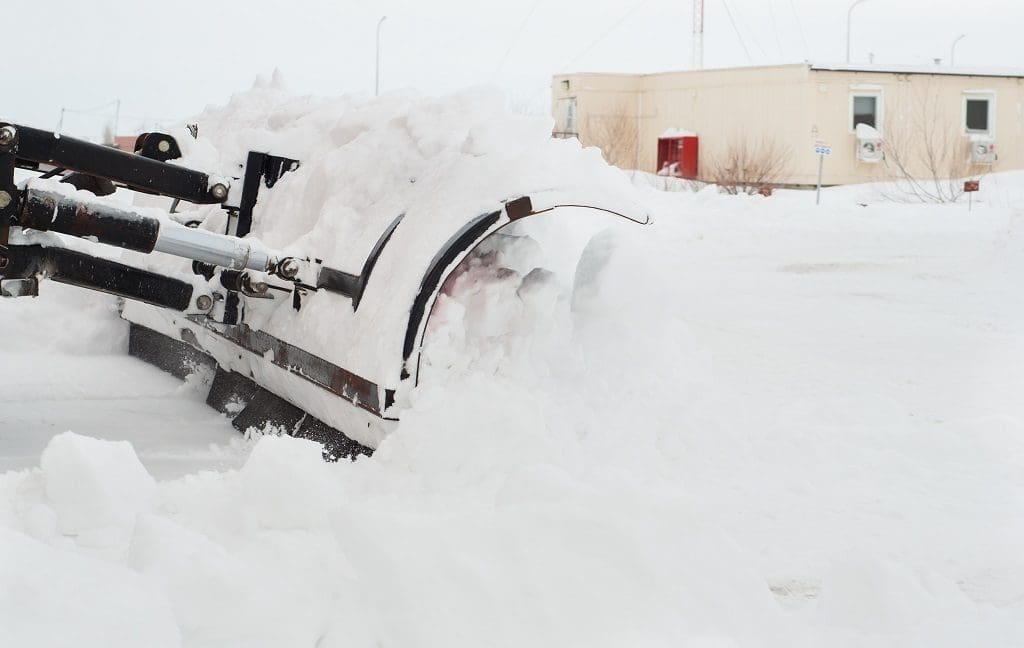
(357, 390)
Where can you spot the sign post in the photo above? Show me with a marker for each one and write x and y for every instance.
(822, 150)
(970, 186)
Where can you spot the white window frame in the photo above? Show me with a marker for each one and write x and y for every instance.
(568, 109)
(987, 95)
(879, 97)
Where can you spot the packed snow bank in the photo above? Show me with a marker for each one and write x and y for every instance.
(752, 423)
(93, 484)
(65, 367)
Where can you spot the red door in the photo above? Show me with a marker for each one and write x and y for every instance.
(677, 156)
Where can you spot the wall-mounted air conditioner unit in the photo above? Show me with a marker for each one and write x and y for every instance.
(983, 150)
(869, 144)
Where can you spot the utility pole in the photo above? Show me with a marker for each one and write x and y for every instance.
(698, 34)
(376, 76)
(952, 50)
(849, 13)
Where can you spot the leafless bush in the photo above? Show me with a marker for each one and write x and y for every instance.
(615, 134)
(747, 165)
(524, 103)
(665, 183)
(926, 156)
(109, 136)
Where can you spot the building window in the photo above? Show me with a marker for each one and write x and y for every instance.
(977, 115)
(565, 117)
(865, 111)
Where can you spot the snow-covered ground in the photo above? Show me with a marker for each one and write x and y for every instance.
(755, 422)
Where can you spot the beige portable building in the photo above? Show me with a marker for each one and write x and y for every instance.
(917, 121)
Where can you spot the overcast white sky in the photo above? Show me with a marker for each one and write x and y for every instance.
(167, 60)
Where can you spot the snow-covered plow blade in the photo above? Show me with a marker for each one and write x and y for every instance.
(323, 349)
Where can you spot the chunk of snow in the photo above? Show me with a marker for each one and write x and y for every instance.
(677, 132)
(287, 483)
(93, 484)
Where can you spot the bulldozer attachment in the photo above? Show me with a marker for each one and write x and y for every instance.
(240, 310)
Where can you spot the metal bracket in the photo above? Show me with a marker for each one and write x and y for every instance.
(9, 196)
(19, 287)
(139, 173)
(260, 168)
(30, 262)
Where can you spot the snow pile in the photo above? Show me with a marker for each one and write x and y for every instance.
(65, 367)
(365, 161)
(677, 132)
(753, 423)
(95, 485)
(439, 163)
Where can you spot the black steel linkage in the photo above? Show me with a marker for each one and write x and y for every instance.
(8, 191)
(231, 311)
(86, 271)
(352, 285)
(44, 211)
(157, 146)
(343, 283)
(136, 172)
(260, 168)
(93, 184)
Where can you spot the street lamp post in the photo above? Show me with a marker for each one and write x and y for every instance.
(952, 50)
(376, 76)
(849, 13)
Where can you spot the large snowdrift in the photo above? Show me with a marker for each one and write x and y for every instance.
(752, 423)
(440, 162)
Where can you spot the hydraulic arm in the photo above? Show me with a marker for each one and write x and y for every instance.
(241, 265)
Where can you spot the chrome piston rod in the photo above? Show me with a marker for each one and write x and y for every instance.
(112, 225)
(216, 249)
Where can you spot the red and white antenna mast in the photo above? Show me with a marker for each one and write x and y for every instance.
(698, 34)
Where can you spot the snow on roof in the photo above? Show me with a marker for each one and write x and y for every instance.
(920, 68)
(677, 132)
(878, 68)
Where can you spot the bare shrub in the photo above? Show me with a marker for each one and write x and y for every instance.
(926, 156)
(524, 103)
(109, 136)
(665, 183)
(747, 165)
(615, 134)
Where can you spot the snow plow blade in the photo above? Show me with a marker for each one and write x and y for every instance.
(289, 343)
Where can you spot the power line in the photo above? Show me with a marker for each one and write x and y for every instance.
(800, 28)
(775, 28)
(597, 40)
(605, 33)
(92, 111)
(739, 36)
(515, 39)
(752, 34)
